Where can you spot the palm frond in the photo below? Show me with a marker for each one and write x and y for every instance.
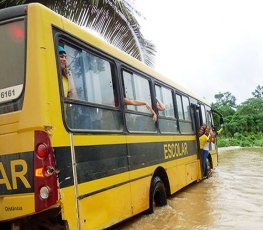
(112, 19)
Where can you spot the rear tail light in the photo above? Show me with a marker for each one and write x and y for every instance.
(45, 176)
(42, 150)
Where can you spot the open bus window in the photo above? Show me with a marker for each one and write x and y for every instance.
(138, 118)
(94, 102)
(183, 107)
(167, 119)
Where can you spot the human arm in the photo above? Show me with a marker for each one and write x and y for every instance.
(160, 105)
(139, 103)
(134, 102)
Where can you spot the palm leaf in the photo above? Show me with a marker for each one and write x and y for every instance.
(112, 19)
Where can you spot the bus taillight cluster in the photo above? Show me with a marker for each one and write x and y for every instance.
(45, 177)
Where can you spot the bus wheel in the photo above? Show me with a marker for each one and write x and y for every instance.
(157, 194)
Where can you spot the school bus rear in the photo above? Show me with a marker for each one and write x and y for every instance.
(28, 177)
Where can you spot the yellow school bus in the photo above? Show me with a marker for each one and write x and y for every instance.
(87, 161)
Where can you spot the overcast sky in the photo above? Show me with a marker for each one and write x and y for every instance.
(208, 46)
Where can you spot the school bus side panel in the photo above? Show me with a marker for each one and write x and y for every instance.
(103, 180)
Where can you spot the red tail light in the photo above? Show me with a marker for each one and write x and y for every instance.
(42, 150)
(45, 177)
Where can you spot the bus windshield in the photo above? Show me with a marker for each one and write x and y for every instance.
(12, 63)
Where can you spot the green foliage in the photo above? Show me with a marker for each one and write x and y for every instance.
(114, 20)
(243, 123)
(225, 99)
(239, 139)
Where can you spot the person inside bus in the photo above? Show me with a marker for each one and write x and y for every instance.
(204, 141)
(68, 82)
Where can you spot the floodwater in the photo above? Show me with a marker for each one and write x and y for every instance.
(231, 199)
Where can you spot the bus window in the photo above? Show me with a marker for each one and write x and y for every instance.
(186, 108)
(167, 120)
(138, 118)
(203, 113)
(185, 121)
(179, 107)
(93, 82)
(209, 118)
(12, 64)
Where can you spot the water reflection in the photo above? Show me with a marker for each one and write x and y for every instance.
(230, 199)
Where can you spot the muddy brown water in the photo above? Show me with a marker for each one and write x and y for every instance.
(231, 199)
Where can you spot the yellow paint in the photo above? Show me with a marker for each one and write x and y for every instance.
(14, 206)
(116, 197)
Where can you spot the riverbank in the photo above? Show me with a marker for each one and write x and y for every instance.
(233, 148)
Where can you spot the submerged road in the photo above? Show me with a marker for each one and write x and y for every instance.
(231, 199)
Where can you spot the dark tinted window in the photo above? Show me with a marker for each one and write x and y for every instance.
(12, 64)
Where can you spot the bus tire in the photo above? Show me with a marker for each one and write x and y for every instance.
(157, 194)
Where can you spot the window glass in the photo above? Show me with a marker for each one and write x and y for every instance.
(168, 102)
(209, 118)
(137, 88)
(179, 107)
(91, 79)
(184, 114)
(203, 114)
(81, 117)
(186, 108)
(98, 79)
(167, 121)
(158, 92)
(12, 64)
(139, 123)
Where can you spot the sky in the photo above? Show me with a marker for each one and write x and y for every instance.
(207, 46)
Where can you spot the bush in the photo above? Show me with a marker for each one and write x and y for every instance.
(241, 139)
(222, 142)
(234, 142)
(246, 143)
(259, 141)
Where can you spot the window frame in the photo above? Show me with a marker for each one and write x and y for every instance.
(126, 111)
(163, 117)
(184, 121)
(79, 45)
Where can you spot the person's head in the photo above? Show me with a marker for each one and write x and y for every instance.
(201, 131)
(63, 59)
(207, 130)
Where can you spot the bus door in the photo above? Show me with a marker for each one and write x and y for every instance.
(197, 123)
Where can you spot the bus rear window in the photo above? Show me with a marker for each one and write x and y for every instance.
(12, 64)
